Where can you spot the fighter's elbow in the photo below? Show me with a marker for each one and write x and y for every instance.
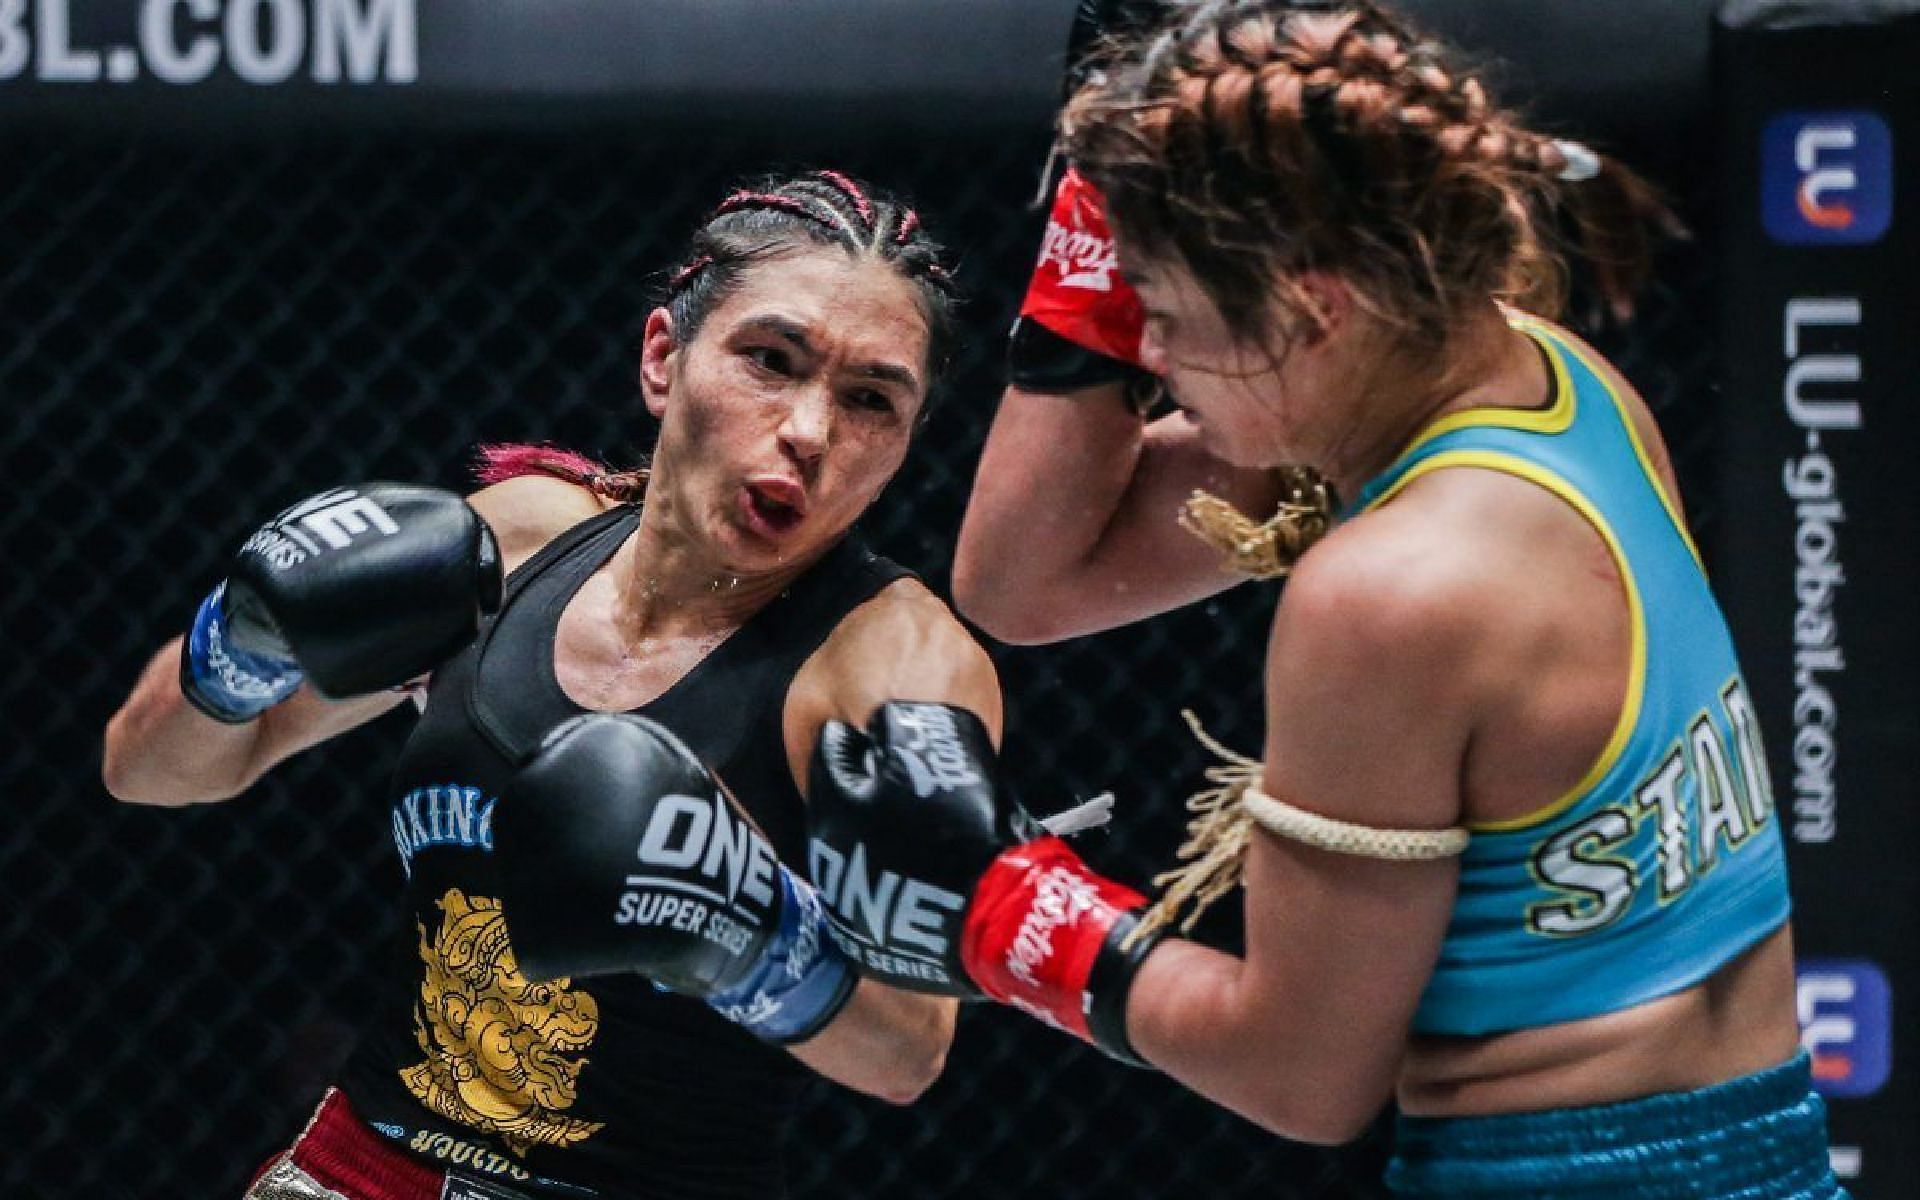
(1327, 1126)
(910, 1075)
(975, 595)
(120, 771)
(114, 778)
(134, 774)
(130, 786)
(1016, 616)
(1319, 1117)
(1011, 628)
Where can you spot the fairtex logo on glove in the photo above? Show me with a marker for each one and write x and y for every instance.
(1077, 291)
(1084, 260)
(935, 757)
(1060, 897)
(1077, 244)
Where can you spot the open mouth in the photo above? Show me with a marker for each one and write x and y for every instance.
(775, 506)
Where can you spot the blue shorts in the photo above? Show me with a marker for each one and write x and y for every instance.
(1759, 1137)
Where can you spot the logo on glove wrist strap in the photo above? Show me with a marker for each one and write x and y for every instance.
(1060, 897)
(1084, 260)
(243, 681)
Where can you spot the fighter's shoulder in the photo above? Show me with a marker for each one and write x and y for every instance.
(1402, 584)
(904, 618)
(528, 511)
(903, 643)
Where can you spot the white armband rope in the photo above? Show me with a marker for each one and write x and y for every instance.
(1344, 837)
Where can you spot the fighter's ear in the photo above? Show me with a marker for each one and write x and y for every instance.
(659, 350)
(1330, 302)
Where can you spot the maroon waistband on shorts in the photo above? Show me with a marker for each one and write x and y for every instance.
(339, 1151)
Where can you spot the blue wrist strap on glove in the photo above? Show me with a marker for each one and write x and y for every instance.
(801, 982)
(223, 681)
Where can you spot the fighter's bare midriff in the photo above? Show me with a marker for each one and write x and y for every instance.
(1738, 1021)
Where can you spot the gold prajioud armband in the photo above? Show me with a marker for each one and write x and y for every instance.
(1265, 549)
(1214, 855)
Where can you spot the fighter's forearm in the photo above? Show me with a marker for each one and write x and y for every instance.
(886, 1042)
(1053, 474)
(1198, 1015)
(159, 749)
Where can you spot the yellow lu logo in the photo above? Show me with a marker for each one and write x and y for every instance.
(502, 1053)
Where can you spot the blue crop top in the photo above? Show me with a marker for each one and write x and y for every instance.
(1665, 860)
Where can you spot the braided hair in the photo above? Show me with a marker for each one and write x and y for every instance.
(1254, 140)
(752, 224)
(825, 208)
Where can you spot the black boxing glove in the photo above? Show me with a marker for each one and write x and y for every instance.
(936, 879)
(618, 851)
(357, 590)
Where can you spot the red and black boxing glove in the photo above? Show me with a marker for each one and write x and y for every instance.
(1080, 324)
(936, 880)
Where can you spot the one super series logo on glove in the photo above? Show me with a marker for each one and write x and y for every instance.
(871, 913)
(699, 838)
(882, 922)
(329, 521)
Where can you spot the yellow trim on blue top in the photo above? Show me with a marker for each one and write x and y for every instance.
(1541, 331)
(1623, 727)
(1557, 417)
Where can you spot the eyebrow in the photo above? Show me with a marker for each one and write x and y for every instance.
(796, 334)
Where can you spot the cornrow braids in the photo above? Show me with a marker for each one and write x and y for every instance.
(500, 461)
(1255, 140)
(853, 192)
(819, 208)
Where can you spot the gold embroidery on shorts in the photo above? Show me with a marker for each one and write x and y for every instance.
(501, 1052)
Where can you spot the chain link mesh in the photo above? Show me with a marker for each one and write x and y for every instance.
(198, 335)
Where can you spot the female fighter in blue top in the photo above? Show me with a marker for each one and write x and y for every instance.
(1510, 854)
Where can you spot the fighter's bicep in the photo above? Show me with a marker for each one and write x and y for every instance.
(903, 644)
(1372, 689)
(1154, 562)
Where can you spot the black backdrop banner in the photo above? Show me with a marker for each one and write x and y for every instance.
(1819, 319)
(213, 66)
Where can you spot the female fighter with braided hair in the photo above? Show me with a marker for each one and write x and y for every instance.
(613, 981)
(1510, 853)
